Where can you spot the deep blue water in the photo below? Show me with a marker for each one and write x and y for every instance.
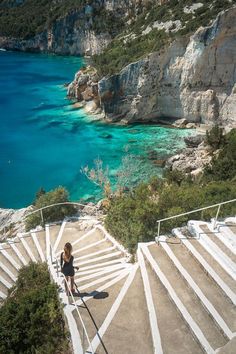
(45, 141)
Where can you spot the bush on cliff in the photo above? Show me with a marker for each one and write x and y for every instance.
(223, 166)
(33, 17)
(31, 317)
(135, 43)
(132, 218)
(215, 137)
(58, 195)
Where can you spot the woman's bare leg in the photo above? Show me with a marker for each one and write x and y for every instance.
(72, 282)
(66, 286)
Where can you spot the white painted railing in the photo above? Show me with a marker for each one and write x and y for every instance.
(195, 211)
(57, 204)
(67, 289)
(84, 333)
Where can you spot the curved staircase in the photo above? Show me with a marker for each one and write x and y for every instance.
(179, 297)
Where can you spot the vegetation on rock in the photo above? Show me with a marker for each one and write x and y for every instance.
(215, 137)
(153, 29)
(58, 195)
(132, 217)
(31, 318)
(223, 166)
(31, 17)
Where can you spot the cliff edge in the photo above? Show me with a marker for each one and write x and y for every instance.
(191, 78)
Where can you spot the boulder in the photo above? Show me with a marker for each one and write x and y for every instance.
(194, 141)
(180, 123)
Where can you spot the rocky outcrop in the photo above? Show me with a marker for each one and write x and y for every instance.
(192, 78)
(194, 141)
(84, 88)
(192, 159)
(71, 35)
(11, 221)
(84, 31)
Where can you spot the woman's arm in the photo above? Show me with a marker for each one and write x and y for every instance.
(77, 268)
(61, 259)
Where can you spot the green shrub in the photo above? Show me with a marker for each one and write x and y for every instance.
(132, 218)
(215, 137)
(32, 17)
(223, 166)
(56, 213)
(31, 317)
(119, 54)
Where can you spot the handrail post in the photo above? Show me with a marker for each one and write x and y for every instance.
(41, 212)
(83, 339)
(57, 268)
(158, 231)
(218, 210)
(51, 253)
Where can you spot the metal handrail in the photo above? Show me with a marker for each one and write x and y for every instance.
(194, 211)
(81, 320)
(55, 204)
(71, 294)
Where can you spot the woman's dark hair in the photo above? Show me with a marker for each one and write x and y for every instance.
(67, 251)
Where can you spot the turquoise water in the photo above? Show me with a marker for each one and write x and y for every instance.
(45, 142)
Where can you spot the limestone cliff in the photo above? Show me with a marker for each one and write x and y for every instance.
(193, 78)
(77, 30)
(12, 221)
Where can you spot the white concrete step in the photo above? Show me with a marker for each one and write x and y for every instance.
(98, 259)
(15, 245)
(102, 264)
(115, 307)
(156, 337)
(200, 336)
(209, 264)
(206, 283)
(38, 246)
(170, 320)
(5, 271)
(226, 263)
(98, 273)
(193, 285)
(86, 249)
(41, 237)
(53, 231)
(3, 295)
(10, 256)
(73, 234)
(100, 280)
(107, 285)
(4, 282)
(95, 253)
(226, 235)
(27, 242)
(217, 238)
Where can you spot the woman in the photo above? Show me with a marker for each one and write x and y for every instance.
(67, 267)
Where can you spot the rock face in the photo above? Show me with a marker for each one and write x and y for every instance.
(11, 221)
(80, 32)
(71, 35)
(191, 160)
(192, 78)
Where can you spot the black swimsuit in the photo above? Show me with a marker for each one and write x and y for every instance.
(67, 267)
